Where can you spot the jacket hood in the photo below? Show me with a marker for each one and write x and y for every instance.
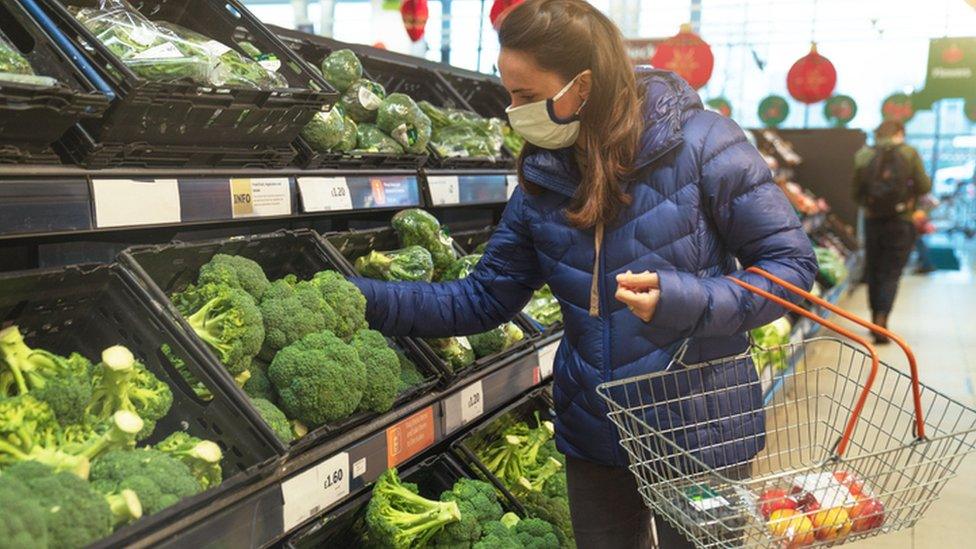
(667, 100)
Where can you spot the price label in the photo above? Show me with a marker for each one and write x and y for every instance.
(124, 202)
(315, 490)
(324, 194)
(444, 189)
(257, 197)
(410, 437)
(546, 356)
(472, 402)
(359, 468)
(511, 183)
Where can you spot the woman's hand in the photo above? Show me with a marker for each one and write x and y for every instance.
(639, 292)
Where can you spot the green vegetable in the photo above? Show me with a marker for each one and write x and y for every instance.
(341, 68)
(382, 371)
(461, 268)
(513, 141)
(370, 139)
(236, 272)
(478, 504)
(403, 120)
(287, 319)
(397, 517)
(460, 133)
(768, 341)
(11, 61)
(324, 132)
(362, 99)
(410, 263)
(416, 227)
(258, 385)
(495, 341)
(28, 432)
(499, 534)
(535, 533)
(275, 419)
(346, 301)
(23, 523)
(350, 135)
(410, 375)
(225, 318)
(456, 352)
(319, 378)
(554, 510)
(201, 456)
(832, 270)
(122, 383)
(157, 478)
(544, 308)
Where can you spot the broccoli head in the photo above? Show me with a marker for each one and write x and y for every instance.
(456, 352)
(496, 341)
(411, 263)
(341, 68)
(361, 100)
(370, 139)
(535, 533)
(350, 133)
(201, 456)
(29, 432)
(478, 504)
(275, 419)
(410, 375)
(319, 378)
(159, 479)
(283, 287)
(258, 385)
(123, 383)
(398, 517)
(227, 319)
(415, 227)
(401, 118)
(554, 510)
(324, 131)
(461, 268)
(235, 271)
(288, 319)
(346, 301)
(382, 371)
(23, 522)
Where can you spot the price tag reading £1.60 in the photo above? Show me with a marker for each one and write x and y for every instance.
(313, 491)
(324, 194)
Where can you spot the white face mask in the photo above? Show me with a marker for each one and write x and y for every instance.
(538, 124)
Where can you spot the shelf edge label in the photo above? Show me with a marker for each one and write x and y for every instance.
(546, 356)
(125, 202)
(444, 189)
(324, 194)
(409, 437)
(259, 197)
(314, 490)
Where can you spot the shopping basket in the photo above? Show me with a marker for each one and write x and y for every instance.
(852, 447)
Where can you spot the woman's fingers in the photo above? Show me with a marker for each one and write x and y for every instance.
(638, 282)
(642, 304)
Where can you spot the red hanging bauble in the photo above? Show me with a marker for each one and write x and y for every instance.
(686, 54)
(812, 78)
(499, 9)
(414, 14)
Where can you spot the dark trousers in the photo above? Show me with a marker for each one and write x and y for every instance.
(888, 245)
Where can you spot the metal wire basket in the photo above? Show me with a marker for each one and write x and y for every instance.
(851, 448)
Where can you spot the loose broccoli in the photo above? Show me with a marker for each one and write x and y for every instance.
(288, 319)
(23, 522)
(125, 507)
(398, 517)
(275, 419)
(496, 341)
(456, 352)
(416, 227)
(361, 100)
(411, 263)
(157, 478)
(236, 272)
(341, 68)
(410, 375)
(479, 495)
(535, 477)
(382, 371)
(201, 456)
(91, 441)
(259, 385)
(462, 267)
(283, 287)
(535, 533)
(554, 510)
(401, 118)
(319, 378)
(63, 382)
(225, 318)
(347, 302)
(29, 432)
(123, 383)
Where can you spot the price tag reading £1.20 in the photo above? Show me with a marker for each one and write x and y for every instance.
(472, 402)
(324, 194)
(315, 490)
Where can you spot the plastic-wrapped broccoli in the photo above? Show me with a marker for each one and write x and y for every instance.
(324, 132)
(416, 227)
(403, 120)
(411, 263)
(513, 141)
(456, 352)
(462, 267)
(362, 99)
(463, 133)
(341, 68)
(371, 139)
(543, 307)
(350, 133)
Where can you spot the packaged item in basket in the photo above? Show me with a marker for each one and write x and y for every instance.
(820, 491)
(704, 509)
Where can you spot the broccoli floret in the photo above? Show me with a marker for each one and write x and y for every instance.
(29, 432)
(125, 507)
(554, 510)
(535, 533)
(398, 517)
(201, 456)
(478, 504)
(382, 370)
(416, 227)
(495, 341)
(258, 385)
(412, 263)
(236, 272)
(225, 318)
(123, 383)
(324, 131)
(287, 319)
(555, 486)
(78, 515)
(23, 522)
(456, 352)
(157, 478)
(275, 419)
(535, 476)
(410, 375)
(63, 382)
(319, 378)
(283, 287)
(346, 301)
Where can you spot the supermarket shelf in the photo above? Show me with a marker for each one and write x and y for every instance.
(444, 188)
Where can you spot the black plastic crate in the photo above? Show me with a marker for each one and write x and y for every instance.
(345, 247)
(485, 94)
(168, 268)
(86, 309)
(313, 49)
(33, 117)
(155, 119)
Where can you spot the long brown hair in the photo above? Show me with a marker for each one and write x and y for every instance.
(568, 37)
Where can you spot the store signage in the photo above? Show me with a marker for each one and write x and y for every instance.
(641, 50)
(314, 490)
(324, 194)
(472, 402)
(546, 356)
(444, 189)
(409, 437)
(127, 202)
(951, 71)
(260, 197)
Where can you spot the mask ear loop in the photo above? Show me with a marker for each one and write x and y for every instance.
(550, 103)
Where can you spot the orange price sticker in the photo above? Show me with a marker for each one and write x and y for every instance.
(409, 437)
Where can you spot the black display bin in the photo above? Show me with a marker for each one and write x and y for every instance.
(33, 117)
(168, 268)
(86, 309)
(165, 123)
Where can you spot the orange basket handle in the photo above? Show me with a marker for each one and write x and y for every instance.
(859, 406)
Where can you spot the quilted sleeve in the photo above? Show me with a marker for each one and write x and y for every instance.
(757, 224)
(498, 288)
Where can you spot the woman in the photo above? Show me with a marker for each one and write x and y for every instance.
(623, 174)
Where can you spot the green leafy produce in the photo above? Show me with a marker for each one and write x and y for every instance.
(536, 533)
(370, 139)
(554, 510)
(410, 375)
(832, 270)
(157, 478)
(544, 308)
(291, 315)
(513, 141)
(362, 99)
(398, 517)
(258, 385)
(456, 352)
(496, 340)
(324, 132)
(403, 120)
(275, 418)
(416, 227)
(462, 267)
(11, 61)
(382, 371)
(768, 341)
(346, 301)
(319, 378)
(123, 383)
(225, 318)
(23, 523)
(410, 263)
(237, 272)
(341, 68)
(201, 456)
(478, 504)
(350, 135)
(460, 133)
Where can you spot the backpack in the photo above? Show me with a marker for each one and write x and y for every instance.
(889, 189)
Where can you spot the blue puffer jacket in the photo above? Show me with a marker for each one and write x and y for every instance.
(702, 198)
